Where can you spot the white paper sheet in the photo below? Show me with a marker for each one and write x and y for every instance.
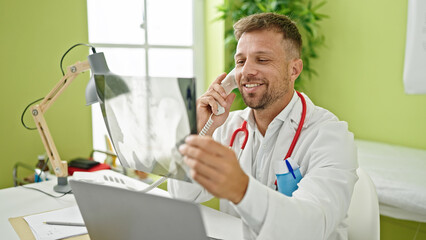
(415, 48)
(47, 232)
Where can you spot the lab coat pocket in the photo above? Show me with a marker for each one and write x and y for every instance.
(287, 183)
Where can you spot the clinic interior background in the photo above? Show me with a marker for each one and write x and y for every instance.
(360, 74)
(360, 77)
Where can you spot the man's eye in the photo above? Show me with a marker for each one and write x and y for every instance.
(239, 62)
(263, 60)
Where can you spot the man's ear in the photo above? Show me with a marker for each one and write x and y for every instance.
(295, 68)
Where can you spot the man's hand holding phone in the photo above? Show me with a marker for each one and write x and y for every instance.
(208, 102)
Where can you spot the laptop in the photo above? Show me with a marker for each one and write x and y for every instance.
(113, 207)
(110, 212)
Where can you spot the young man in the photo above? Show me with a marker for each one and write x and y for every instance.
(267, 62)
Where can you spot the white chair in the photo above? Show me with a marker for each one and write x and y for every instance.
(363, 213)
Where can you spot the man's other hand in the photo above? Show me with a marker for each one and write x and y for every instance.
(215, 167)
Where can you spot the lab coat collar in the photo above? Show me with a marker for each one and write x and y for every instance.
(288, 109)
(296, 112)
(292, 110)
(247, 115)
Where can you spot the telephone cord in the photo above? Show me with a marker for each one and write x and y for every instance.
(207, 126)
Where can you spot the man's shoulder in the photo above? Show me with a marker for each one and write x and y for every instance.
(327, 134)
(318, 116)
(320, 121)
(326, 127)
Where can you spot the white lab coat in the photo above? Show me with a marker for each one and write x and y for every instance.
(326, 155)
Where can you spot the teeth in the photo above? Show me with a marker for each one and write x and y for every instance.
(252, 85)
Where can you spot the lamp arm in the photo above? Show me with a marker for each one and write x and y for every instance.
(60, 167)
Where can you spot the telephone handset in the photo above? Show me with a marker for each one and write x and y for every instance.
(228, 84)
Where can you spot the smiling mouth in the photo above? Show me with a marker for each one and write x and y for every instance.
(252, 85)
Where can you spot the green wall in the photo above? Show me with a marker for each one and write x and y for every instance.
(33, 37)
(360, 72)
(214, 55)
(397, 229)
(214, 44)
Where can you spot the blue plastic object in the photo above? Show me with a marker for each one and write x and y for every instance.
(287, 182)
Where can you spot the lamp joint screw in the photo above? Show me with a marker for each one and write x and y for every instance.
(35, 112)
(73, 69)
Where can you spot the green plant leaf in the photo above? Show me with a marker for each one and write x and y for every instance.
(261, 7)
(319, 5)
(320, 16)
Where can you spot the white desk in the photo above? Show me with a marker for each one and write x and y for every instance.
(18, 201)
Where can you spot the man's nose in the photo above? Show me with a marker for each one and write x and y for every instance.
(249, 69)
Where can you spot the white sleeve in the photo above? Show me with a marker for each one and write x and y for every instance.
(320, 203)
(187, 191)
(254, 205)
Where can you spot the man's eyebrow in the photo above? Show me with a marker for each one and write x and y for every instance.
(238, 55)
(256, 53)
(264, 52)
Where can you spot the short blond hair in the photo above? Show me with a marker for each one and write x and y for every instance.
(271, 21)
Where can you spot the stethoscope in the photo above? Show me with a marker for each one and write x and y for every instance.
(243, 129)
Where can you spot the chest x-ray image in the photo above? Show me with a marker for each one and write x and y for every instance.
(147, 118)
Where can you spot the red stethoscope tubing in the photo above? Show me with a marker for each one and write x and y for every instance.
(299, 128)
(243, 129)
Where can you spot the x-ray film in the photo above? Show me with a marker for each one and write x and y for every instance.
(147, 119)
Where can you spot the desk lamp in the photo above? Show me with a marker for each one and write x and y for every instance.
(97, 63)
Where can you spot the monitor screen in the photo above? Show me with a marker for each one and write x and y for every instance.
(147, 119)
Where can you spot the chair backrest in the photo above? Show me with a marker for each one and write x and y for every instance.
(363, 213)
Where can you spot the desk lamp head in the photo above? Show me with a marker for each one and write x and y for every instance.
(98, 65)
(95, 90)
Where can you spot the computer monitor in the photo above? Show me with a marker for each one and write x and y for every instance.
(147, 119)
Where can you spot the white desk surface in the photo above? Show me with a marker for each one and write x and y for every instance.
(18, 201)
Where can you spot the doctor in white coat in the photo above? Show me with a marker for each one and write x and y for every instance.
(267, 63)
